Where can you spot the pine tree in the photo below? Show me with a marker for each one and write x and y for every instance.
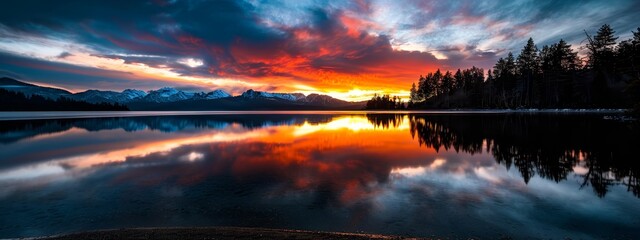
(505, 71)
(436, 82)
(447, 83)
(605, 38)
(628, 56)
(566, 58)
(421, 92)
(458, 79)
(567, 62)
(601, 48)
(414, 93)
(447, 86)
(528, 62)
(527, 69)
(489, 90)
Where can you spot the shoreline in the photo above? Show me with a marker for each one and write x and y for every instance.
(43, 115)
(222, 233)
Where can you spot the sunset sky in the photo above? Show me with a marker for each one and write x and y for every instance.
(347, 49)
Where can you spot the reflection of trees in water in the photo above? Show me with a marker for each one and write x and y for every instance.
(386, 120)
(547, 145)
(606, 169)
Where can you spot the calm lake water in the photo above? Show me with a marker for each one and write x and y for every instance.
(446, 175)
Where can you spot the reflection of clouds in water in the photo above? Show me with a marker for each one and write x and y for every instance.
(409, 171)
(192, 157)
(487, 174)
(379, 179)
(416, 171)
(458, 171)
(352, 123)
(495, 199)
(127, 150)
(149, 148)
(33, 171)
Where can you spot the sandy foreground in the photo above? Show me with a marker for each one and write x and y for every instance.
(215, 233)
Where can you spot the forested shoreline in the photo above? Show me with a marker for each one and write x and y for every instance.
(551, 77)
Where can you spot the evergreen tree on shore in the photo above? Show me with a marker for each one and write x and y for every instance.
(385, 102)
(551, 77)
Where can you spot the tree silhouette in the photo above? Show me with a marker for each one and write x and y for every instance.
(550, 77)
(528, 68)
(385, 102)
(548, 146)
(602, 48)
(414, 93)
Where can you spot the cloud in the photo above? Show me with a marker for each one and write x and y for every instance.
(337, 46)
(76, 78)
(64, 55)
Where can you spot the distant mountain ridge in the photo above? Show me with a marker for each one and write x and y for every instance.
(5, 81)
(97, 96)
(168, 98)
(30, 89)
(212, 95)
(18, 101)
(286, 96)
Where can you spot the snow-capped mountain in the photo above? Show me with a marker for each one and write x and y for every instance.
(322, 100)
(286, 96)
(311, 99)
(97, 96)
(168, 98)
(162, 95)
(134, 93)
(211, 95)
(167, 94)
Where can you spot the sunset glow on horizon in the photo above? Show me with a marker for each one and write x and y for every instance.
(349, 50)
(231, 133)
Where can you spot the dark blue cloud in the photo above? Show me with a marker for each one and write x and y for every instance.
(76, 77)
(255, 40)
(140, 27)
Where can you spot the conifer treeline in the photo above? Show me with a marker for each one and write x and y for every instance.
(563, 142)
(16, 101)
(385, 102)
(551, 77)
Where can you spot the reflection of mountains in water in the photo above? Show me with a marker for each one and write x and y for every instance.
(548, 145)
(12, 131)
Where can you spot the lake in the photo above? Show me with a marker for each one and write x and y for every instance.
(449, 175)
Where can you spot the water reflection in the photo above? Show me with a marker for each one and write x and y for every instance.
(551, 146)
(399, 174)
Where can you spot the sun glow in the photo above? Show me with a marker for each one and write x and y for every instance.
(77, 54)
(229, 134)
(357, 95)
(351, 123)
(348, 87)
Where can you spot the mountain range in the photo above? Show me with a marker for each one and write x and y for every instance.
(168, 98)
